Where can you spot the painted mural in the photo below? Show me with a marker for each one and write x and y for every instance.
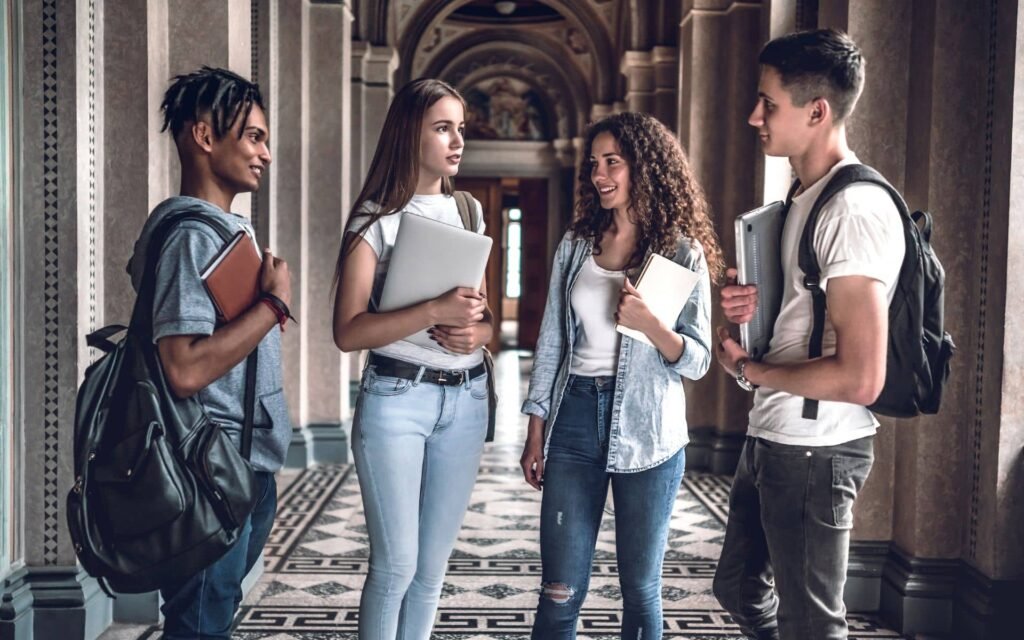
(505, 108)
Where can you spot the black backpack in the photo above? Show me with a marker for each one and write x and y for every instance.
(160, 491)
(917, 359)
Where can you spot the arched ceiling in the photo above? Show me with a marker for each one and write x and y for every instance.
(562, 92)
(567, 42)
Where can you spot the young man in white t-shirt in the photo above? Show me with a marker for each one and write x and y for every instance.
(784, 557)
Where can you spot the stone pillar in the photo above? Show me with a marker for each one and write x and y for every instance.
(374, 96)
(638, 69)
(262, 41)
(373, 69)
(326, 65)
(286, 90)
(599, 111)
(666, 84)
(126, 170)
(359, 166)
(963, 502)
(56, 283)
(718, 86)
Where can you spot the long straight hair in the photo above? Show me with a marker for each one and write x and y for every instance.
(394, 171)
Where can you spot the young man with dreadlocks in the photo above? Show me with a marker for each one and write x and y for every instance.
(220, 128)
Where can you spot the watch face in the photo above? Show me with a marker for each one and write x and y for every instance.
(744, 384)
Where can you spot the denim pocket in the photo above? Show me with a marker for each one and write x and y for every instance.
(478, 387)
(848, 476)
(384, 385)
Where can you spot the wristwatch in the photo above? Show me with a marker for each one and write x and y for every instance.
(741, 379)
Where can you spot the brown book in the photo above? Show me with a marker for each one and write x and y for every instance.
(233, 277)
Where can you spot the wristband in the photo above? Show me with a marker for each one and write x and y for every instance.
(282, 309)
(281, 318)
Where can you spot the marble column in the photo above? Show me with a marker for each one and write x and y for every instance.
(718, 86)
(373, 69)
(666, 84)
(286, 90)
(326, 117)
(638, 69)
(56, 282)
(375, 93)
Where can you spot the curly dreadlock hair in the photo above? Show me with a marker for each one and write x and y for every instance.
(218, 93)
(666, 202)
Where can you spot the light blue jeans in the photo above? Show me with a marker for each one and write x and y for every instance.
(417, 449)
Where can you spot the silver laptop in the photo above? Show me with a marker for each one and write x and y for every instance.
(758, 262)
(431, 258)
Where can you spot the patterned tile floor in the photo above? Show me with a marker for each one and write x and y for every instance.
(317, 556)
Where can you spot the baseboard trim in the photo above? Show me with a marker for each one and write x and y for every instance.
(986, 608)
(67, 603)
(327, 442)
(298, 455)
(16, 614)
(864, 575)
(917, 593)
(711, 450)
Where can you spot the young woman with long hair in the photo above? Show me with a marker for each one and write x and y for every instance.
(605, 408)
(421, 416)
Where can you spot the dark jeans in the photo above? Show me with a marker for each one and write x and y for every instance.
(204, 606)
(790, 515)
(575, 488)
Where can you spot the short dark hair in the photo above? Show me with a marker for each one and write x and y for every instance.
(222, 94)
(825, 63)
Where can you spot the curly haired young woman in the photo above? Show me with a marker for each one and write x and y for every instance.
(604, 408)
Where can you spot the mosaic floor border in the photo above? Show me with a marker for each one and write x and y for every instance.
(318, 555)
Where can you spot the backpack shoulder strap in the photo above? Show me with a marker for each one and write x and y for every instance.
(808, 258)
(464, 201)
(142, 313)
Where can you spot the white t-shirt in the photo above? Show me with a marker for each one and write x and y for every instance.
(381, 238)
(594, 299)
(859, 233)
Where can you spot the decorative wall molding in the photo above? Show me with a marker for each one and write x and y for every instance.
(977, 427)
(929, 595)
(51, 285)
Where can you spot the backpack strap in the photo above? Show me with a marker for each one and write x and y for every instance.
(464, 201)
(142, 313)
(808, 258)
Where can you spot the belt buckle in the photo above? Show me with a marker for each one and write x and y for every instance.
(454, 378)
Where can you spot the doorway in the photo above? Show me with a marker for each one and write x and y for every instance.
(515, 212)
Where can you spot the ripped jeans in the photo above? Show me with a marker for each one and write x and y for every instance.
(575, 488)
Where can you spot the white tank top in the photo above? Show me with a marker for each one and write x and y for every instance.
(594, 299)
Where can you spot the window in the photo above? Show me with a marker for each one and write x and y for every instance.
(513, 252)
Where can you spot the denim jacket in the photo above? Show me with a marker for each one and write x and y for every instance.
(648, 423)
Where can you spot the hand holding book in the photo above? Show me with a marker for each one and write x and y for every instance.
(237, 278)
(663, 287)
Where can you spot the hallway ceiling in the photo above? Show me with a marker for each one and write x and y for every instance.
(556, 57)
(524, 12)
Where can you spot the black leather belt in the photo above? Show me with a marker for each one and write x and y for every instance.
(392, 367)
